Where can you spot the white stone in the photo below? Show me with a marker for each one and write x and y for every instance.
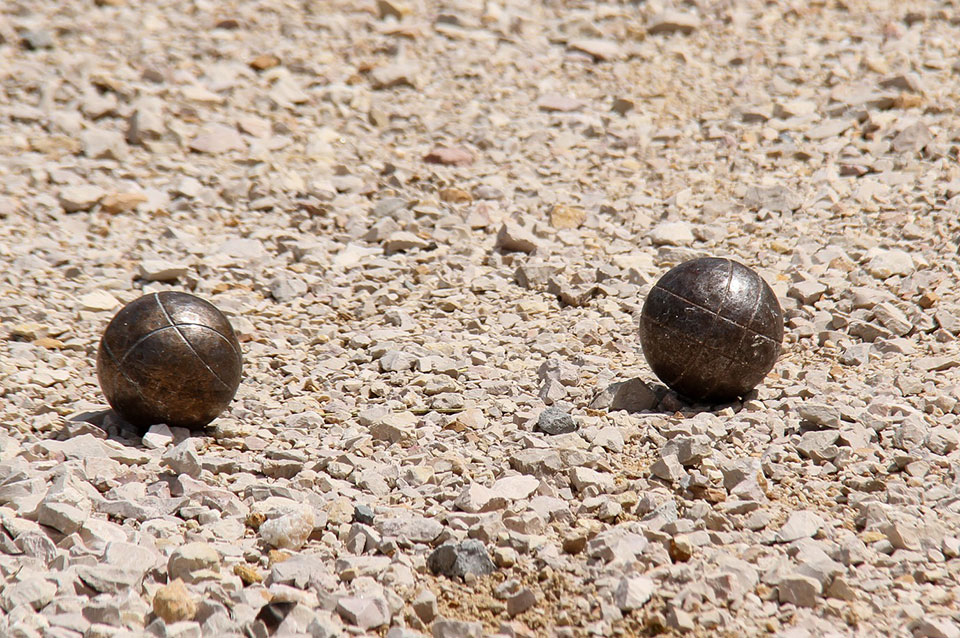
(583, 477)
(242, 248)
(445, 628)
(193, 561)
(807, 292)
(892, 318)
(515, 238)
(672, 234)
(104, 144)
(826, 416)
(290, 530)
(158, 436)
(477, 498)
(521, 602)
(599, 49)
(78, 198)
(215, 139)
(183, 458)
(63, 517)
(34, 591)
(901, 536)
(673, 21)
(130, 555)
(394, 427)
(98, 301)
(936, 628)
(950, 546)
(800, 524)
(365, 613)
(802, 591)
(161, 270)
(183, 629)
(514, 488)
(397, 361)
(617, 546)
(402, 240)
(147, 121)
(668, 468)
(609, 438)
(633, 592)
(884, 263)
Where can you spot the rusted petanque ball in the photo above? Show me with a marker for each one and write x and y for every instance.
(169, 357)
(711, 329)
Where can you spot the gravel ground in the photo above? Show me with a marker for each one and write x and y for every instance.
(433, 224)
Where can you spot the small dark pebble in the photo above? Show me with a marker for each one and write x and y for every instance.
(363, 514)
(456, 560)
(556, 420)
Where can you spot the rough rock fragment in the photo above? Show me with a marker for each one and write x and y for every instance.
(885, 263)
(365, 613)
(215, 139)
(450, 156)
(79, 198)
(290, 530)
(193, 562)
(802, 591)
(600, 50)
(800, 524)
(553, 103)
(515, 238)
(779, 198)
(555, 420)
(673, 22)
(566, 217)
(456, 560)
(633, 592)
(633, 395)
(174, 603)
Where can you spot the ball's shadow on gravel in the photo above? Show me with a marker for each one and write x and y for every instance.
(639, 396)
(669, 402)
(105, 424)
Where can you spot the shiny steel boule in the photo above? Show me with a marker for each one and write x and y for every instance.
(711, 329)
(169, 357)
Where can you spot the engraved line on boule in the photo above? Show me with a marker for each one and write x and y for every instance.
(716, 317)
(228, 340)
(717, 352)
(190, 345)
(696, 305)
(225, 338)
(702, 344)
(156, 330)
(725, 369)
(745, 331)
(123, 373)
(761, 289)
